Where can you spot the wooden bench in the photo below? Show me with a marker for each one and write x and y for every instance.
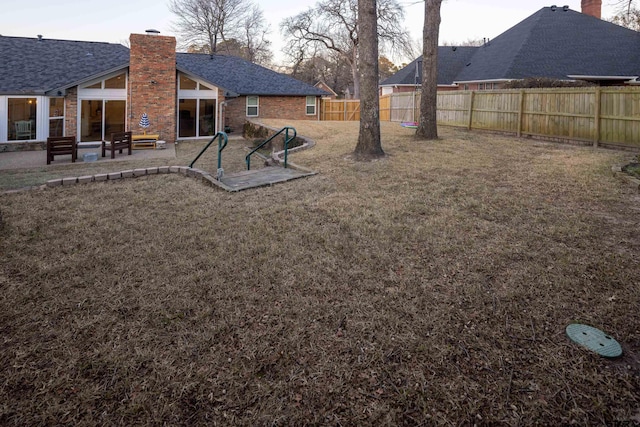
(59, 145)
(119, 141)
(141, 142)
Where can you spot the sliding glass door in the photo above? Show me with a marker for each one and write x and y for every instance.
(99, 118)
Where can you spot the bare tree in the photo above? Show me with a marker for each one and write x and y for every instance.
(428, 125)
(205, 25)
(369, 145)
(624, 7)
(333, 25)
(254, 36)
(627, 15)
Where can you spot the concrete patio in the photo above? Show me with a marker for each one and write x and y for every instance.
(38, 158)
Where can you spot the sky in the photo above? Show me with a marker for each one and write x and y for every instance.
(114, 20)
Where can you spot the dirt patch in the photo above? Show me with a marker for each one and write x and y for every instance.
(429, 288)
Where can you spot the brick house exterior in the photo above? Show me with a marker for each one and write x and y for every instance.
(152, 82)
(269, 107)
(102, 88)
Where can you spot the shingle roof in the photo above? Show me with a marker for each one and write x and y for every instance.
(242, 77)
(550, 43)
(555, 44)
(33, 66)
(451, 60)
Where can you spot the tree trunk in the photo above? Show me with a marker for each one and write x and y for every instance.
(427, 125)
(355, 73)
(369, 146)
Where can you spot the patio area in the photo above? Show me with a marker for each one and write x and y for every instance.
(38, 158)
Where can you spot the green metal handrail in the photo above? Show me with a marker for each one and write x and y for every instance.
(287, 140)
(223, 139)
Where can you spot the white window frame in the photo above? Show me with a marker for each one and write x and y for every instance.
(200, 94)
(103, 95)
(41, 121)
(314, 105)
(256, 106)
(58, 117)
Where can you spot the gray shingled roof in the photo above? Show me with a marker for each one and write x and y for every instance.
(554, 44)
(451, 60)
(241, 77)
(557, 44)
(32, 66)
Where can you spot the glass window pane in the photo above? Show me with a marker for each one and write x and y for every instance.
(91, 120)
(21, 119)
(95, 86)
(56, 127)
(311, 105)
(117, 82)
(204, 87)
(114, 113)
(187, 118)
(252, 106)
(207, 117)
(56, 107)
(187, 83)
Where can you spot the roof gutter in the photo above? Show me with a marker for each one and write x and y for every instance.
(483, 81)
(39, 92)
(628, 79)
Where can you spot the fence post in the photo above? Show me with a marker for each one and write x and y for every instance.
(345, 110)
(596, 137)
(520, 113)
(472, 94)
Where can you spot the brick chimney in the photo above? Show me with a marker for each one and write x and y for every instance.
(592, 7)
(152, 83)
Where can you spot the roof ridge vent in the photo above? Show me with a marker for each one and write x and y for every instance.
(553, 8)
(39, 37)
(565, 8)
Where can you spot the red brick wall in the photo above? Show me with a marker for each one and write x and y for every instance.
(71, 113)
(152, 84)
(269, 107)
(592, 7)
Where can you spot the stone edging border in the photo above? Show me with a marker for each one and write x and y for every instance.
(617, 171)
(201, 175)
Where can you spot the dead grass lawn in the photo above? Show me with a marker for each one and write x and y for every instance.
(429, 288)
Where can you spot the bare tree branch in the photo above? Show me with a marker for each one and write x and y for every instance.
(333, 25)
(207, 25)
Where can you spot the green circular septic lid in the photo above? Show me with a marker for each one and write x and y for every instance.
(594, 339)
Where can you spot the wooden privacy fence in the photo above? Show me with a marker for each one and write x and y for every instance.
(341, 110)
(596, 114)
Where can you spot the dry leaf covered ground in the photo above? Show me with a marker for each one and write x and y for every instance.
(432, 287)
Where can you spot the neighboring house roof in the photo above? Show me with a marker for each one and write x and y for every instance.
(241, 77)
(557, 43)
(451, 60)
(33, 66)
(323, 86)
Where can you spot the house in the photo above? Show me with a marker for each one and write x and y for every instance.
(323, 86)
(555, 42)
(451, 61)
(91, 89)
